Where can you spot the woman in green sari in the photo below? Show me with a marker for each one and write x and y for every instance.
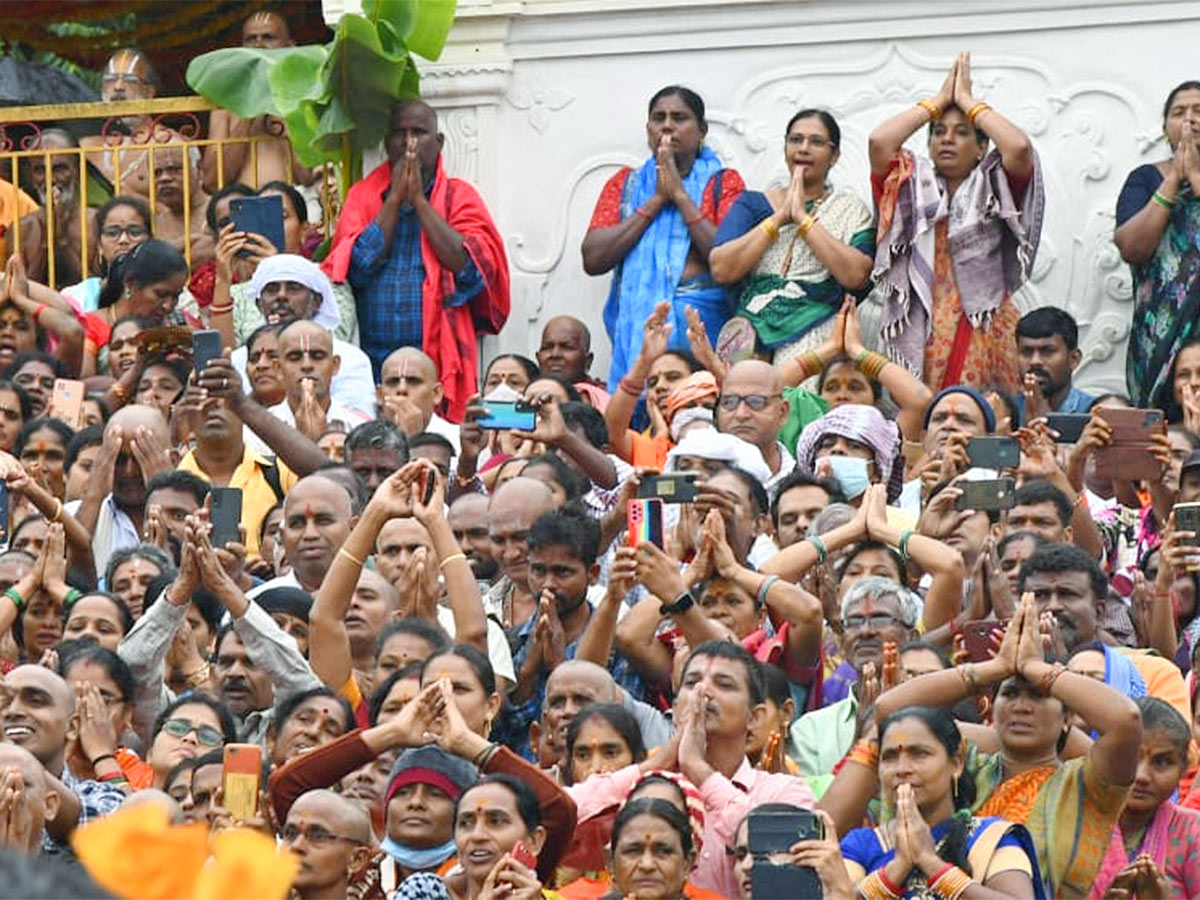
(799, 249)
(1158, 234)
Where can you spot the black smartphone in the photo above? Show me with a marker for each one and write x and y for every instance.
(1187, 518)
(206, 346)
(514, 416)
(3, 512)
(427, 483)
(677, 488)
(776, 832)
(994, 452)
(993, 494)
(259, 215)
(226, 515)
(1068, 425)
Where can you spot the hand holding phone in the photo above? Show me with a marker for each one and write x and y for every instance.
(225, 515)
(66, 403)
(644, 519)
(259, 215)
(206, 346)
(240, 780)
(524, 855)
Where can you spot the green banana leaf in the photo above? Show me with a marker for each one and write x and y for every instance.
(335, 97)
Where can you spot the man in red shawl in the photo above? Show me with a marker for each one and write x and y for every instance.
(423, 256)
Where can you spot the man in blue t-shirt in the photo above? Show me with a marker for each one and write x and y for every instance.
(1047, 353)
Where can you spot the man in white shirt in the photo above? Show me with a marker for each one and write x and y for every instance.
(409, 391)
(306, 355)
(288, 288)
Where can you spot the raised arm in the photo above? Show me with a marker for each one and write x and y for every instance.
(51, 317)
(1016, 150)
(224, 124)
(907, 392)
(596, 642)
(792, 562)
(551, 430)
(619, 412)
(1138, 237)
(887, 139)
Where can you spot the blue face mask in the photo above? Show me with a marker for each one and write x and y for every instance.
(850, 472)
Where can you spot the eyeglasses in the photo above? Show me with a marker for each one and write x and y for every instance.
(114, 77)
(817, 143)
(314, 834)
(205, 734)
(757, 402)
(877, 621)
(113, 232)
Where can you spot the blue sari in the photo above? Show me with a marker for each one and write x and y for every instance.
(652, 271)
(868, 849)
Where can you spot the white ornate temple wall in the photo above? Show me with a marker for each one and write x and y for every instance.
(542, 99)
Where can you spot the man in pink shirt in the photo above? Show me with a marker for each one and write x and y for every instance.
(720, 698)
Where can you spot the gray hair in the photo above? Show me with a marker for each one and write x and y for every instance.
(833, 516)
(874, 587)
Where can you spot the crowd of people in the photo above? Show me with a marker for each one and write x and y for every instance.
(770, 606)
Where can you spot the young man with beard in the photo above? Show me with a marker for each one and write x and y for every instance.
(562, 551)
(1069, 587)
(39, 716)
(468, 520)
(1047, 353)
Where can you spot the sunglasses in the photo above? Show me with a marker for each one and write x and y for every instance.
(205, 734)
(757, 402)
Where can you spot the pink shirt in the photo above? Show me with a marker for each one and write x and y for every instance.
(727, 801)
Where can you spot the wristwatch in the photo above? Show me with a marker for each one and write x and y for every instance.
(680, 604)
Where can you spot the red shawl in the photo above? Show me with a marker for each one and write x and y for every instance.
(448, 334)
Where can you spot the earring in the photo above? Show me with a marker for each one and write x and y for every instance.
(128, 293)
(487, 726)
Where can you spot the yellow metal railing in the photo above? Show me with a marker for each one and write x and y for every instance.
(153, 136)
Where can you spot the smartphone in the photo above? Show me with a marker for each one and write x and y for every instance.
(226, 515)
(994, 452)
(524, 855)
(3, 512)
(206, 345)
(977, 639)
(240, 777)
(644, 518)
(776, 832)
(992, 494)
(259, 215)
(1068, 425)
(1187, 518)
(66, 403)
(680, 488)
(1128, 455)
(426, 485)
(515, 415)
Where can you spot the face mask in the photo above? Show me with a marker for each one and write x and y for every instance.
(850, 472)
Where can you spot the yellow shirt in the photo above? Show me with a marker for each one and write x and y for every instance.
(14, 203)
(257, 494)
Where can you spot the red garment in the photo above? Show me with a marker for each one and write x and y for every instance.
(447, 335)
(608, 207)
(203, 283)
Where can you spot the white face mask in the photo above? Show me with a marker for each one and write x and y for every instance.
(850, 472)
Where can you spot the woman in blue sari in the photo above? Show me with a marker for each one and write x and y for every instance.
(921, 762)
(653, 229)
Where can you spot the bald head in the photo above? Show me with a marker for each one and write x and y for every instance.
(415, 122)
(752, 380)
(128, 75)
(566, 349)
(42, 803)
(266, 30)
(581, 672)
(571, 686)
(514, 508)
(408, 378)
(39, 716)
(130, 418)
(155, 797)
(344, 817)
(317, 519)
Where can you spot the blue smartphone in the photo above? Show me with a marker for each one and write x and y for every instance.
(517, 416)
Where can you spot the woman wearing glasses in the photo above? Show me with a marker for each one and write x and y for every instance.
(798, 249)
(189, 727)
(119, 225)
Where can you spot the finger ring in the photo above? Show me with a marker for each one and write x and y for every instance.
(224, 383)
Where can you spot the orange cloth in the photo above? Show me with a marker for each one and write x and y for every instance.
(140, 774)
(1013, 799)
(649, 452)
(14, 203)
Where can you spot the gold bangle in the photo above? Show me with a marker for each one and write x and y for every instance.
(932, 108)
(342, 551)
(805, 225)
(58, 511)
(451, 558)
(769, 228)
(976, 111)
(199, 677)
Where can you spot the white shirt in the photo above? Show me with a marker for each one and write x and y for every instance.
(353, 385)
(348, 418)
(448, 430)
(499, 653)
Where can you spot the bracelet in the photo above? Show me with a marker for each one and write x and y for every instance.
(101, 757)
(951, 882)
(215, 310)
(819, 546)
(37, 313)
(893, 889)
(631, 386)
(769, 228)
(198, 677)
(935, 111)
(765, 587)
(71, 596)
(871, 363)
(1046, 682)
(119, 392)
(1157, 197)
(873, 887)
(451, 558)
(342, 551)
(645, 215)
(482, 757)
(940, 872)
(696, 219)
(904, 538)
(804, 226)
(976, 111)
(113, 777)
(967, 673)
(865, 752)
(58, 511)
(810, 363)
(18, 601)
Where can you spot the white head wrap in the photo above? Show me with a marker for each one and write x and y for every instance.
(708, 443)
(290, 267)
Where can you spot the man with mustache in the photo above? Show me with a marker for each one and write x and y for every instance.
(1047, 353)
(1069, 588)
(289, 288)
